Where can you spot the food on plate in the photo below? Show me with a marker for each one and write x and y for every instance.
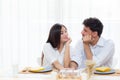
(103, 69)
(36, 69)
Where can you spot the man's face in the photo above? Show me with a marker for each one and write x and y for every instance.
(86, 31)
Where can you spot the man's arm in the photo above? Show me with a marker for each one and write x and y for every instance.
(86, 44)
(88, 52)
(76, 56)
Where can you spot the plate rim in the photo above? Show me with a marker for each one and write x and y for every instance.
(47, 69)
(112, 71)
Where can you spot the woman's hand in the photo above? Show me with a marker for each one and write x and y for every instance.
(69, 41)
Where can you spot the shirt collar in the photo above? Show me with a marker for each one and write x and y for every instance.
(100, 42)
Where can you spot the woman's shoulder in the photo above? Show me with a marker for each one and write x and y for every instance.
(47, 45)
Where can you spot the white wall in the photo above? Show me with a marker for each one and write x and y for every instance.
(25, 24)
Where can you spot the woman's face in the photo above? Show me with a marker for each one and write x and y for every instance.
(64, 35)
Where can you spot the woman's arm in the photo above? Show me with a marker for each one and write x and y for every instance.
(42, 59)
(67, 54)
(57, 65)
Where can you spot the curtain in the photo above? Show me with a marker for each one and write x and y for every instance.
(25, 25)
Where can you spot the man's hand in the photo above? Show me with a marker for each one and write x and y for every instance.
(87, 39)
(73, 65)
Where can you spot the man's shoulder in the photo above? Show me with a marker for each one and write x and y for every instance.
(108, 41)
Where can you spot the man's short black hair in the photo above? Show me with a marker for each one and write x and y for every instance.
(94, 24)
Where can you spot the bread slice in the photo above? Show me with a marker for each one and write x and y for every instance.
(36, 69)
(103, 69)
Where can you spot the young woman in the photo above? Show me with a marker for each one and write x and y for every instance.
(56, 51)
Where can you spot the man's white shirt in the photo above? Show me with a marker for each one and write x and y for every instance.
(102, 52)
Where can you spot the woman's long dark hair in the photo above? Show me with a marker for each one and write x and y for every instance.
(55, 35)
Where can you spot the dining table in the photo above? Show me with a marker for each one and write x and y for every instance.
(51, 75)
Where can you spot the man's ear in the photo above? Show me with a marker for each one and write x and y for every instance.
(95, 33)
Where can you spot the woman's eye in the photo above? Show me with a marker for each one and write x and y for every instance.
(61, 32)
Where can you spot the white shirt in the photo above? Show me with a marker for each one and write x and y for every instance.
(102, 52)
(52, 54)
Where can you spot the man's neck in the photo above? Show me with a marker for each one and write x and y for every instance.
(95, 41)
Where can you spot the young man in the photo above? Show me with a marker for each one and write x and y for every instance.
(93, 46)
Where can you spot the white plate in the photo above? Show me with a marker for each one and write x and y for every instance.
(112, 71)
(47, 69)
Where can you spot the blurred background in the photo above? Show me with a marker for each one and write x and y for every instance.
(25, 24)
